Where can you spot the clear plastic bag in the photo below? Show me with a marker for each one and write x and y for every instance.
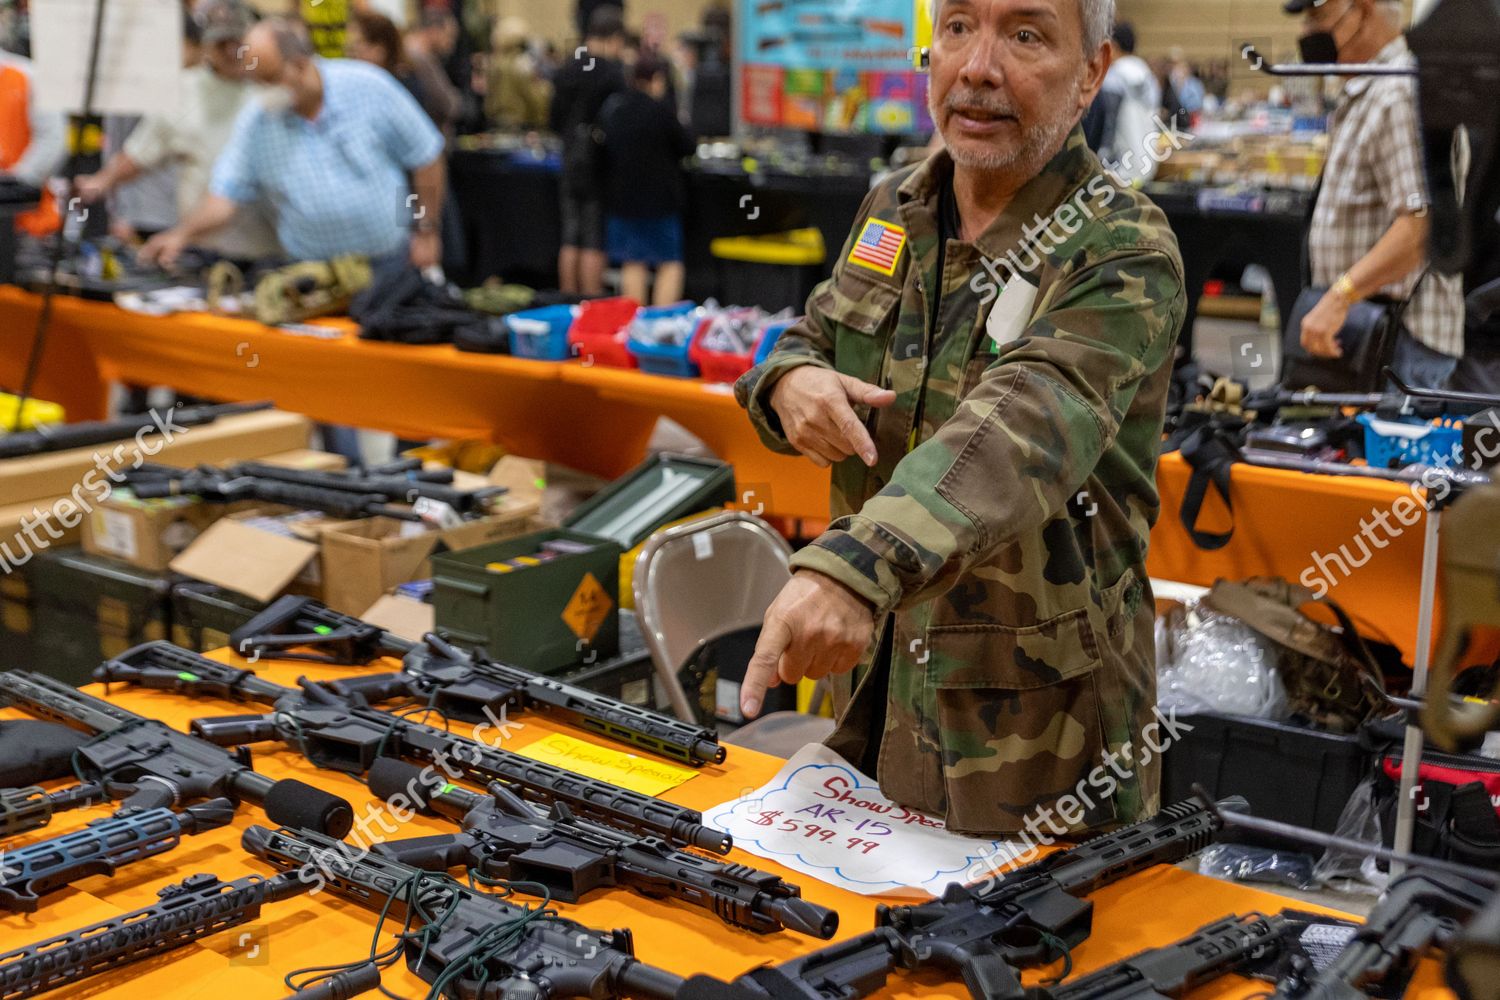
(1241, 863)
(1208, 662)
(1347, 871)
(734, 331)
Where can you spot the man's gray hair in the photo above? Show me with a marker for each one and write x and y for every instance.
(1098, 21)
(292, 39)
(1098, 18)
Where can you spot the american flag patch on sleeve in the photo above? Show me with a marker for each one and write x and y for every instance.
(879, 246)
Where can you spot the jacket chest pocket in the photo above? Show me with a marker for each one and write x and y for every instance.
(1019, 718)
(864, 317)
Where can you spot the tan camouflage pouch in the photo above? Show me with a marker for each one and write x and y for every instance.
(310, 288)
(1329, 675)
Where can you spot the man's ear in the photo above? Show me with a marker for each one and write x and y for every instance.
(1093, 75)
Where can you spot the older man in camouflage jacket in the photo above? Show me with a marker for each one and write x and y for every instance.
(986, 372)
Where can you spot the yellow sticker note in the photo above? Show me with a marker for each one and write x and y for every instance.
(636, 772)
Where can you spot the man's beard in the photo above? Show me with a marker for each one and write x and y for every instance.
(1038, 144)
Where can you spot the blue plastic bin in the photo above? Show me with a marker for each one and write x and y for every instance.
(541, 334)
(663, 359)
(1392, 444)
(770, 337)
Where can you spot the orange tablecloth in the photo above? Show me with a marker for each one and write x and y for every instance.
(587, 417)
(599, 419)
(1145, 911)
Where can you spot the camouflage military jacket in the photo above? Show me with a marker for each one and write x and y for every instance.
(1002, 534)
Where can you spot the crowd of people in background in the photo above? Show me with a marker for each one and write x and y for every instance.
(263, 103)
(314, 141)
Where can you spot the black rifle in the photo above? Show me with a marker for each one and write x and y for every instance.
(472, 689)
(505, 837)
(92, 432)
(1421, 910)
(1218, 949)
(300, 628)
(341, 734)
(187, 911)
(26, 809)
(153, 766)
(151, 482)
(395, 489)
(460, 685)
(1025, 917)
(31, 872)
(471, 944)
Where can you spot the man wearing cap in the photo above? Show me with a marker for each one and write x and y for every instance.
(1368, 235)
(212, 94)
(986, 373)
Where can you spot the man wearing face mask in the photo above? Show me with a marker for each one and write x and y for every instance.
(192, 136)
(986, 372)
(328, 147)
(1368, 235)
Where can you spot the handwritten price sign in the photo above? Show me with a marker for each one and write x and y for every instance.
(822, 817)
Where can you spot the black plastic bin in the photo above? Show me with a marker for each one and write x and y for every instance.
(1286, 772)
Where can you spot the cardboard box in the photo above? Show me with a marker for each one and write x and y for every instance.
(29, 528)
(304, 460)
(239, 553)
(146, 533)
(82, 472)
(151, 533)
(401, 616)
(364, 559)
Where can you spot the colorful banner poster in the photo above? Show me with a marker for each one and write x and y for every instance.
(804, 92)
(829, 58)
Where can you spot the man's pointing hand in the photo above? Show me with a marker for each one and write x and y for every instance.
(816, 409)
(815, 627)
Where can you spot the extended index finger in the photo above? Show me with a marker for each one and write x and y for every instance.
(760, 674)
(852, 430)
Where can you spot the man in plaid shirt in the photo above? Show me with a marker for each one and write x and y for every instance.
(1369, 228)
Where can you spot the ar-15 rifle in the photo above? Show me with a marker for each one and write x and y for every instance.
(461, 685)
(343, 735)
(153, 766)
(151, 482)
(394, 488)
(471, 944)
(504, 837)
(1422, 909)
(1027, 916)
(1226, 946)
(471, 688)
(31, 872)
(300, 628)
(187, 911)
(26, 809)
(82, 435)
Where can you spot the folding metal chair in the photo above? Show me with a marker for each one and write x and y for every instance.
(701, 592)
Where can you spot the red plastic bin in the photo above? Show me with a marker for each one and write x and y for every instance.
(720, 366)
(598, 334)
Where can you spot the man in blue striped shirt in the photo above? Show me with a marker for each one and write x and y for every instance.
(328, 147)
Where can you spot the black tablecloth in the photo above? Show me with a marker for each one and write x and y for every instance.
(510, 213)
(512, 229)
